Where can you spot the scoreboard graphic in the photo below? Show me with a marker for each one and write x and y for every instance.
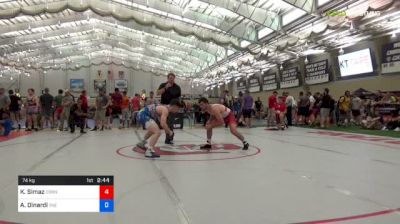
(66, 194)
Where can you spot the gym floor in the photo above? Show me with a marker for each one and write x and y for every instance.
(295, 176)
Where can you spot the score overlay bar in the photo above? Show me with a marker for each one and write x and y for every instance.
(65, 194)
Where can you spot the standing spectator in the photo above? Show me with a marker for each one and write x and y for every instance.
(77, 116)
(356, 105)
(290, 107)
(247, 108)
(59, 108)
(4, 102)
(236, 108)
(169, 91)
(102, 102)
(272, 101)
(315, 102)
(125, 110)
(31, 110)
(310, 116)
(280, 110)
(109, 115)
(326, 108)
(143, 95)
(116, 100)
(135, 107)
(46, 108)
(84, 105)
(224, 98)
(304, 106)
(151, 99)
(15, 108)
(67, 102)
(344, 108)
(259, 106)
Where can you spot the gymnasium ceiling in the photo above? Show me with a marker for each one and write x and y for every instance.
(207, 41)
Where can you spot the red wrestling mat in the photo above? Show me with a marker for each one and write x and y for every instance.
(12, 135)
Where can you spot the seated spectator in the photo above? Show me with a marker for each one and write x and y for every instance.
(372, 123)
(6, 125)
(393, 123)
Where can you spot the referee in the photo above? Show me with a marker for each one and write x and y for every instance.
(169, 91)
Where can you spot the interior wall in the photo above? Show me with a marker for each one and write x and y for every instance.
(60, 79)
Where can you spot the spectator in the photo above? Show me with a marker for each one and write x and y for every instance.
(224, 98)
(344, 108)
(125, 110)
(326, 108)
(315, 109)
(135, 107)
(310, 118)
(272, 102)
(247, 108)
(356, 105)
(116, 101)
(46, 108)
(236, 108)
(109, 116)
(304, 108)
(31, 110)
(77, 117)
(15, 108)
(102, 102)
(67, 102)
(4, 102)
(84, 105)
(151, 99)
(6, 125)
(280, 110)
(258, 105)
(59, 108)
(290, 107)
(394, 123)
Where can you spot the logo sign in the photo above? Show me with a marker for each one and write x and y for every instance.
(254, 84)
(391, 58)
(191, 152)
(241, 85)
(270, 82)
(354, 63)
(121, 84)
(317, 72)
(290, 78)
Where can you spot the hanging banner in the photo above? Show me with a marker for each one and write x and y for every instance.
(241, 85)
(254, 84)
(391, 58)
(270, 82)
(290, 78)
(317, 72)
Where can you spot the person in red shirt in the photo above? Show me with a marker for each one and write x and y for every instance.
(135, 107)
(84, 105)
(280, 110)
(116, 99)
(272, 101)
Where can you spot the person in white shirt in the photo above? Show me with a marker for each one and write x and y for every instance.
(290, 107)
